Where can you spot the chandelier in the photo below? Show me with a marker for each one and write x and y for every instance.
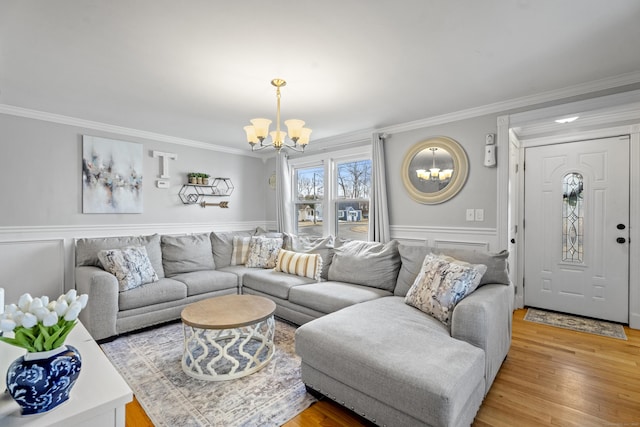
(259, 129)
(434, 173)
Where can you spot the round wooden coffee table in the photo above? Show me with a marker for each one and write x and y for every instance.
(227, 337)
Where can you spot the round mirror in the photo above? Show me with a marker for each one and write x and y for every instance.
(435, 170)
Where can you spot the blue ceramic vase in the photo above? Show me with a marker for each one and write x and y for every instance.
(39, 382)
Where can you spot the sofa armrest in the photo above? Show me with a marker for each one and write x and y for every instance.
(484, 319)
(101, 312)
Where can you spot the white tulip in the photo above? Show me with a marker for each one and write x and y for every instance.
(40, 313)
(50, 319)
(36, 304)
(11, 309)
(7, 325)
(71, 296)
(52, 305)
(25, 302)
(17, 317)
(29, 320)
(45, 300)
(74, 310)
(61, 307)
(83, 299)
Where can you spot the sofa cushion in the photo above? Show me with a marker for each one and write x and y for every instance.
(87, 249)
(222, 244)
(263, 252)
(366, 263)
(412, 257)
(442, 282)
(164, 290)
(271, 282)
(201, 282)
(300, 264)
(130, 265)
(186, 253)
(322, 246)
(397, 355)
(328, 297)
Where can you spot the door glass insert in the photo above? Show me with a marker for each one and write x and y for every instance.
(572, 218)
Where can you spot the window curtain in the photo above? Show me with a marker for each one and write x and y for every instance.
(378, 210)
(284, 204)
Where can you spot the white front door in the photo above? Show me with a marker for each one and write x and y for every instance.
(576, 228)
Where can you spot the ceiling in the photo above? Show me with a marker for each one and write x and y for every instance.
(199, 70)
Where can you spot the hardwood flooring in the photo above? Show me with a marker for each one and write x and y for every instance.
(551, 377)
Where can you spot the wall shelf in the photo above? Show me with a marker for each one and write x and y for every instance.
(191, 194)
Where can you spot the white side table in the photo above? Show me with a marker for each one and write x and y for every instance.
(97, 399)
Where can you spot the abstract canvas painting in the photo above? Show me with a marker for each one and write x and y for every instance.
(111, 176)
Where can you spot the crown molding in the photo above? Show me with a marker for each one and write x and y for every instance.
(119, 130)
(516, 103)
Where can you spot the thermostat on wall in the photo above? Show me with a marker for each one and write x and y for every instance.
(162, 183)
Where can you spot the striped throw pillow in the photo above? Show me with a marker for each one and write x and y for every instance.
(240, 250)
(305, 265)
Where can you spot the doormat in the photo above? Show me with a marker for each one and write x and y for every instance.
(576, 323)
(150, 362)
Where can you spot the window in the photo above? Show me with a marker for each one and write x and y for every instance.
(352, 202)
(309, 188)
(331, 194)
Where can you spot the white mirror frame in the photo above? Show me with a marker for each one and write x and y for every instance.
(460, 167)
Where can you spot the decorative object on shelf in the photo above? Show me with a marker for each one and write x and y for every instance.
(197, 178)
(259, 128)
(194, 193)
(435, 170)
(42, 379)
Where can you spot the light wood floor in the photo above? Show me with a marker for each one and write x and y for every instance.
(551, 377)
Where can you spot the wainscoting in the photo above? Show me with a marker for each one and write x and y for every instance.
(41, 260)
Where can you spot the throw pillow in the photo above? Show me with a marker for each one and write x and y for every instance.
(240, 250)
(442, 283)
(130, 265)
(186, 253)
(322, 246)
(305, 265)
(371, 264)
(263, 252)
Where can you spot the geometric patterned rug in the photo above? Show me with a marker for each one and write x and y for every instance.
(150, 362)
(576, 323)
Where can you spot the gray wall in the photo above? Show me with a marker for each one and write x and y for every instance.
(479, 192)
(40, 179)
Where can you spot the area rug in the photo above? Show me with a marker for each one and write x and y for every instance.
(150, 362)
(576, 323)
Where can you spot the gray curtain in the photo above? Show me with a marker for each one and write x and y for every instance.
(284, 204)
(378, 210)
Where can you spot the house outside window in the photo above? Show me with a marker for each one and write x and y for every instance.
(331, 194)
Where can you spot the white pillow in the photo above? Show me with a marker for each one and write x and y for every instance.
(304, 265)
(442, 283)
(240, 250)
(263, 252)
(130, 265)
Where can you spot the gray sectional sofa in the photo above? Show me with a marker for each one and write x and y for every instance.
(359, 342)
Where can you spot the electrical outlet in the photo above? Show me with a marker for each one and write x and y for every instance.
(479, 215)
(470, 215)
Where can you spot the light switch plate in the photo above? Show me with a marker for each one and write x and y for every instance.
(479, 215)
(470, 215)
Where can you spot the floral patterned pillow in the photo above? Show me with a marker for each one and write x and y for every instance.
(263, 251)
(130, 265)
(442, 283)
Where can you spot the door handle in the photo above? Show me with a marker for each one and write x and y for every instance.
(621, 240)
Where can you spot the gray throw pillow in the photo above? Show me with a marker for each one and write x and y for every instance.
(322, 246)
(366, 263)
(187, 253)
(222, 245)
